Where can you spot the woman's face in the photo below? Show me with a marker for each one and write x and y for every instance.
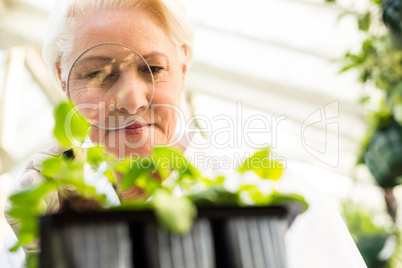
(139, 30)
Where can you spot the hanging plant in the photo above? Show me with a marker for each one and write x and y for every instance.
(379, 64)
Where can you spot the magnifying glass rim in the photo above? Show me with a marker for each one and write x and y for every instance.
(102, 44)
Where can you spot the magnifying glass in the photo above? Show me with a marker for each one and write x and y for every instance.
(107, 83)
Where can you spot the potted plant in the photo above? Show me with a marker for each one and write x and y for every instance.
(205, 225)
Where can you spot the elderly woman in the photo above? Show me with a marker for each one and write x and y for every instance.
(159, 31)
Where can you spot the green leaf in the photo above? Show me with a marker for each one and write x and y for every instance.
(175, 214)
(23, 212)
(95, 155)
(98, 155)
(110, 176)
(167, 158)
(15, 247)
(220, 180)
(33, 194)
(148, 184)
(123, 166)
(254, 193)
(70, 128)
(27, 205)
(215, 196)
(51, 167)
(277, 198)
(262, 165)
(364, 22)
(71, 170)
(140, 168)
(32, 260)
(83, 190)
(28, 233)
(58, 168)
(348, 67)
(377, 2)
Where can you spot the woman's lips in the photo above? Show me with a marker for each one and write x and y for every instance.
(136, 129)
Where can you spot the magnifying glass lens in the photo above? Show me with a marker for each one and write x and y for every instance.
(107, 83)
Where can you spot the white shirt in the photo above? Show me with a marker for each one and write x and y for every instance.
(318, 238)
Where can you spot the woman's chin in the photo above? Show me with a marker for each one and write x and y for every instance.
(130, 147)
(130, 143)
(123, 151)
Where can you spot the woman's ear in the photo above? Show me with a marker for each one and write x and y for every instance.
(185, 50)
(63, 83)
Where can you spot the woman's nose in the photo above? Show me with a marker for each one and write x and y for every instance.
(133, 94)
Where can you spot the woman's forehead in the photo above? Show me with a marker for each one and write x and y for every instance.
(133, 27)
(117, 54)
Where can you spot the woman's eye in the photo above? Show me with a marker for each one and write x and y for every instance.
(156, 69)
(94, 74)
(102, 74)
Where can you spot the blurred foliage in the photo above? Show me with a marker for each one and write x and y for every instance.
(377, 120)
(396, 259)
(378, 62)
(370, 231)
(263, 166)
(362, 222)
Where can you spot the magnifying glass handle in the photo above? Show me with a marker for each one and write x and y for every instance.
(69, 154)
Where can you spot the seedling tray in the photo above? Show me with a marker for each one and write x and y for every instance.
(220, 237)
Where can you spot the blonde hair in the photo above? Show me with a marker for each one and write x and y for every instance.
(57, 46)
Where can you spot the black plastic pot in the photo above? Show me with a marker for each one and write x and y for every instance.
(384, 155)
(220, 237)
